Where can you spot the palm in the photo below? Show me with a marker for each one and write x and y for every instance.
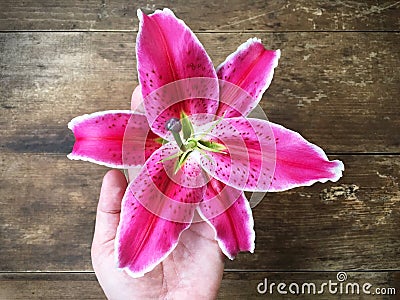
(193, 268)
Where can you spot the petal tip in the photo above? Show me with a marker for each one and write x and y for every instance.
(254, 40)
(139, 14)
(70, 125)
(77, 120)
(229, 256)
(168, 11)
(117, 243)
(337, 170)
(131, 273)
(122, 268)
(278, 54)
(165, 11)
(340, 164)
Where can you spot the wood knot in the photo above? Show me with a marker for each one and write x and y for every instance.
(343, 191)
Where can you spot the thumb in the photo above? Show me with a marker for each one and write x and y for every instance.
(109, 207)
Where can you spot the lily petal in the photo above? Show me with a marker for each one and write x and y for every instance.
(156, 208)
(249, 161)
(228, 212)
(245, 75)
(168, 52)
(100, 138)
(299, 162)
(139, 141)
(144, 239)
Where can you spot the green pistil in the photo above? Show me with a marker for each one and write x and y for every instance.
(178, 140)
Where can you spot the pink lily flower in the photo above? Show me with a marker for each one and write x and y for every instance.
(197, 149)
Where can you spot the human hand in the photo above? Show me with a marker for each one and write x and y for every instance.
(192, 270)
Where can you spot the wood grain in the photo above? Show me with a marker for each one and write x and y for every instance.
(243, 285)
(235, 285)
(340, 90)
(48, 209)
(234, 15)
(337, 83)
(17, 286)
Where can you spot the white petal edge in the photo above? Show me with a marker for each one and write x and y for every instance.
(220, 243)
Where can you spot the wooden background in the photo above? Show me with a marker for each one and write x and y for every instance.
(337, 83)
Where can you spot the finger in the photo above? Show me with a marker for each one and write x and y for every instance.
(137, 100)
(109, 207)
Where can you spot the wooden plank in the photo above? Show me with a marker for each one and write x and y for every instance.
(48, 203)
(340, 90)
(239, 285)
(236, 15)
(19, 286)
(47, 212)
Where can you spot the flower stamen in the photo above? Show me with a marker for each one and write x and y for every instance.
(174, 126)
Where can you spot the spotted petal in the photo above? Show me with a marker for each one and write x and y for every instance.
(158, 205)
(299, 162)
(99, 138)
(228, 212)
(245, 75)
(168, 53)
(249, 161)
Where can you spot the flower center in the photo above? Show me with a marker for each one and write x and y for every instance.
(190, 142)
